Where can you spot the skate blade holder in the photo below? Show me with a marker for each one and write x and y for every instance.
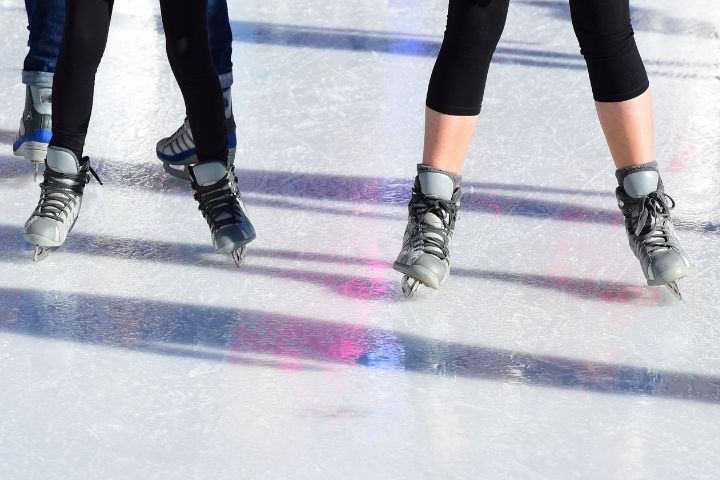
(410, 286)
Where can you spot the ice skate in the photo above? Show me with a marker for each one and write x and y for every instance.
(60, 199)
(35, 131)
(650, 230)
(425, 256)
(178, 150)
(215, 188)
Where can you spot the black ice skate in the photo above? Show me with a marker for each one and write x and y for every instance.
(60, 199)
(425, 255)
(215, 188)
(35, 132)
(178, 150)
(650, 230)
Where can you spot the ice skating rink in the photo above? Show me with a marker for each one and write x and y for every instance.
(136, 352)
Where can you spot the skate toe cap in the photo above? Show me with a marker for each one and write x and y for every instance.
(430, 270)
(232, 237)
(43, 232)
(670, 266)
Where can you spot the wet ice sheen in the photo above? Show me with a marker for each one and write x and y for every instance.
(138, 352)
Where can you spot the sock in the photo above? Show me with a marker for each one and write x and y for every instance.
(639, 180)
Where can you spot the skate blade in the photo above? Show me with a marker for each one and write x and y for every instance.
(409, 286)
(42, 253)
(180, 173)
(673, 287)
(239, 256)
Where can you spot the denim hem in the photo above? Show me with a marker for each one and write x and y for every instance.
(226, 80)
(37, 79)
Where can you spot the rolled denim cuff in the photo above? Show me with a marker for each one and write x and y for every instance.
(226, 80)
(40, 79)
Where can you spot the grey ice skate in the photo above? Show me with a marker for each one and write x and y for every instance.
(650, 230)
(215, 188)
(35, 129)
(61, 195)
(178, 150)
(425, 255)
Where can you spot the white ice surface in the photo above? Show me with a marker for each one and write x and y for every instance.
(137, 352)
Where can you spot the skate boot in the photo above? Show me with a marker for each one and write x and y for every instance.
(215, 188)
(35, 132)
(60, 199)
(425, 255)
(651, 234)
(178, 150)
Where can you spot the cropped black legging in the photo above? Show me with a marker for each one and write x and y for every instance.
(474, 27)
(84, 39)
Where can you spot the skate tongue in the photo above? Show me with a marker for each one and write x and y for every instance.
(436, 184)
(207, 173)
(62, 160)
(642, 183)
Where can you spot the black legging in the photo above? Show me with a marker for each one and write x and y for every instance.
(84, 39)
(474, 27)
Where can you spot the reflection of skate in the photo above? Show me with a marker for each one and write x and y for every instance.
(61, 195)
(216, 190)
(178, 150)
(651, 233)
(425, 255)
(35, 132)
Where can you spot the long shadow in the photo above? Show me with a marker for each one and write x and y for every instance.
(643, 19)
(361, 287)
(297, 343)
(412, 45)
(361, 190)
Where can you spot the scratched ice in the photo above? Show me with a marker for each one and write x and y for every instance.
(135, 351)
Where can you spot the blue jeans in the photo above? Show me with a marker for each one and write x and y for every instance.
(45, 22)
(47, 17)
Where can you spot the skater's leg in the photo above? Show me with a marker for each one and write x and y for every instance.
(628, 129)
(45, 22)
(84, 39)
(186, 34)
(178, 150)
(212, 178)
(454, 101)
(457, 84)
(623, 101)
(220, 39)
(66, 172)
(447, 138)
(617, 76)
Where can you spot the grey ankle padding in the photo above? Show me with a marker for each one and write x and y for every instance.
(209, 172)
(62, 160)
(436, 184)
(640, 180)
(455, 177)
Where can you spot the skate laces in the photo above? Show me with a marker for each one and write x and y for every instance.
(218, 202)
(59, 191)
(430, 238)
(654, 221)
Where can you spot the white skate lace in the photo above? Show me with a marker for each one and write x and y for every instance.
(59, 191)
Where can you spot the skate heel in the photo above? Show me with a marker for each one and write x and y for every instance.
(33, 151)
